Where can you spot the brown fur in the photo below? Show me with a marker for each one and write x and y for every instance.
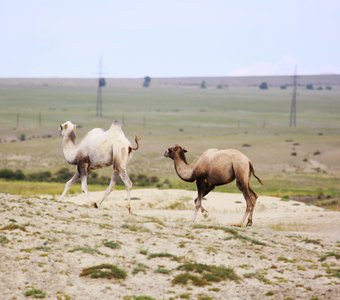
(213, 168)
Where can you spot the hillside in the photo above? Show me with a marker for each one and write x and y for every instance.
(47, 248)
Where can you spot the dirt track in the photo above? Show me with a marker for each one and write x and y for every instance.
(291, 251)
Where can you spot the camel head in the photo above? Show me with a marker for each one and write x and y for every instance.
(175, 151)
(67, 129)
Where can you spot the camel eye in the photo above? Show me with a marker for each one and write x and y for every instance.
(65, 126)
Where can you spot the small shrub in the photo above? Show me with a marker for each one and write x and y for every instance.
(22, 137)
(317, 152)
(112, 244)
(85, 249)
(35, 293)
(13, 226)
(329, 254)
(164, 254)
(104, 271)
(3, 240)
(207, 274)
(263, 86)
(139, 268)
(12, 175)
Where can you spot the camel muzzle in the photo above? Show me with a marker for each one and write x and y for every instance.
(166, 153)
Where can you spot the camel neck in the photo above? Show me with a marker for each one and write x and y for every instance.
(183, 169)
(69, 147)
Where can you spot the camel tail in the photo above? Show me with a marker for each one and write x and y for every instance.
(137, 145)
(252, 171)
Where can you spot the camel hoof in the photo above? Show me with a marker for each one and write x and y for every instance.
(130, 210)
(249, 224)
(205, 214)
(94, 205)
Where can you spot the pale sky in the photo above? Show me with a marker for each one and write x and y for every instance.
(169, 38)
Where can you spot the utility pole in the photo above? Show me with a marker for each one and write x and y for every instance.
(101, 84)
(292, 122)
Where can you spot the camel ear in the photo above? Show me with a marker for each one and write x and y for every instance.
(184, 150)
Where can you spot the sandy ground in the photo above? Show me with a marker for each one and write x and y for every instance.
(291, 252)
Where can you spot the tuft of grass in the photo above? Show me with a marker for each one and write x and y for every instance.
(162, 270)
(269, 293)
(286, 260)
(177, 205)
(104, 271)
(3, 240)
(164, 254)
(311, 241)
(35, 293)
(142, 297)
(139, 268)
(329, 254)
(86, 249)
(185, 296)
(14, 226)
(233, 232)
(259, 276)
(135, 228)
(112, 244)
(185, 278)
(207, 274)
(63, 296)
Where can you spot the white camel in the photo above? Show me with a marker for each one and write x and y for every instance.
(98, 149)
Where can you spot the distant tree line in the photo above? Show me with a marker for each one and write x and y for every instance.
(64, 174)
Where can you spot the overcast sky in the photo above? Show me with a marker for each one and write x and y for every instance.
(168, 38)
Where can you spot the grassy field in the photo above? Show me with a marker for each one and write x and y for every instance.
(300, 161)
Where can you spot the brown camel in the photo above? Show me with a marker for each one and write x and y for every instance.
(213, 168)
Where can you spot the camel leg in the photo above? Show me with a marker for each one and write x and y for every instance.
(247, 196)
(110, 187)
(128, 185)
(82, 169)
(253, 199)
(202, 190)
(68, 184)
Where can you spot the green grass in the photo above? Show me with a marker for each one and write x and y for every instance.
(35, 293)
(203, 274)
(104, 271)
(112, 244)
(86, 249)
(164, 115)
(235, 234)
(164, 254)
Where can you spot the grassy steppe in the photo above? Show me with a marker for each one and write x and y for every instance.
(292, 161)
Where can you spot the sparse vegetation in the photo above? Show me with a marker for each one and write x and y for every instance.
(112, 244)
(164, 254)
(86, 249)
(207, 274)
(104, 271)
(13, 226)
(35, 293)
